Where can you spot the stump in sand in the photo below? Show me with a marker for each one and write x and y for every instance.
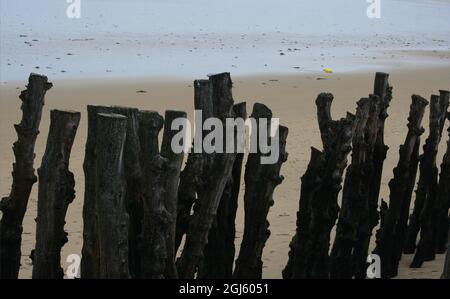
(426, 194)
(446, 272)
(56, 192)
(383, 90)
(321, 185)
(392, 234)
(216, 176)
(220, 251)
(170, 180)
(356, 186)
(191, 176)
(112, 219)
(156, 220)
(443, 200)
(14, 206)
(260, 182)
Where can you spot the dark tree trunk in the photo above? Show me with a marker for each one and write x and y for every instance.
(110, 186)
(446, 272)
(422, 217)
(220, 251)
(260, 183)
(215, 177)
(384, 92)
(440, 213)
(356, 188)
(90, 252)
(391, 235)
(310, 183)
(170, 180)
(133, 191)
(56, 192)
(14, 206)
(191, 176)
(310, 258)
(156, 220)
(443, 205)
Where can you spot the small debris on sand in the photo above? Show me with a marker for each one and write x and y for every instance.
(141, 91)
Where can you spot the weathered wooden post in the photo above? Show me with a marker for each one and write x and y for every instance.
(14, 206)
(111, 187)
(422, 217)
(443, 204)
(260, 183)
(156, 220)
(356, 187)
(56, 192)
(133, 177)
(391, 235)
(383, 90)
(133, 190)
(446, 272)
(309, 256)
(191, 176)
(214, 182)
(171, 179)
(219, 253)
(310, 183)
(440, 211)
(90, 252)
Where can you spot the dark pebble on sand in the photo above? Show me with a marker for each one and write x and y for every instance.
(141, 91)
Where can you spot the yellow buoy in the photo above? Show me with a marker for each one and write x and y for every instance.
(328, 70)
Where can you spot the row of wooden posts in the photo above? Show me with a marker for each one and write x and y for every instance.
(141, 207)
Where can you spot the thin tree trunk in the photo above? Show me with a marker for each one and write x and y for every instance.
(310, 257)
(215, 177)
(440, 213)
(443, 200)
(170, 182)
(356, 187)
(14, 206)
(260, 183)
(422, 217)
(298, 246)
(389, 241)
(133, 191)
(384, 92)
(156, 220)
(219, 253)
(446, 272)
(90, 252)
(110, 182)
(56, 192)
(191, 176)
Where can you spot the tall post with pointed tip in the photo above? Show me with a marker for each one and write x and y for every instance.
(14, 206)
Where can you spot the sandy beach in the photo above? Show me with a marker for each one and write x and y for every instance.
(147, 55)
(290, 97)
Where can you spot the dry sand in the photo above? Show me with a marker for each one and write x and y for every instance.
(291, 98)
